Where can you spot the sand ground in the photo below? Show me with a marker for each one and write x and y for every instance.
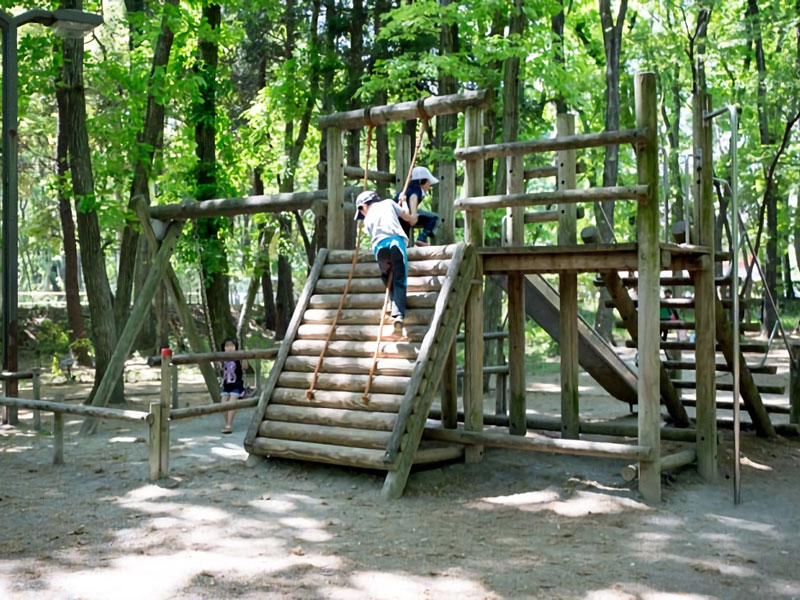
(517, 525)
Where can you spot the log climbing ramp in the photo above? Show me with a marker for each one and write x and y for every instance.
(337, 425)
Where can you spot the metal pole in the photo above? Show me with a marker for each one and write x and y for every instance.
(10, 202)
(737, 467)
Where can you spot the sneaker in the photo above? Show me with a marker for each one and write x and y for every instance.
(422, 244)
(398, 329)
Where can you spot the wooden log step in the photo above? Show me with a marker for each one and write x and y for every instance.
(366, 458)
(728, 387)
(337, 436)
(370, 269)
(413, 300)
(333, 417)
(433, 452)
(744, 346)
(414, 253)
(390, 349)
(396, 367)
(728, 405)
(414, 316)
(676, 365)
(430, 283)
(382, 384)
(357, 333)
(687, 325)
(337, 399)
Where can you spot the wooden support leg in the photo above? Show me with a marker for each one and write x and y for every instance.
(568, 336)
(647, 224)
(58, 438)
(166, 397)
(516, 354)
(450, 391)
(794, 392)
(155, 441)
(37, 395)
(473, 372)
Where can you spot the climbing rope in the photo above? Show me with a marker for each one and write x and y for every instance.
(365, 397)
(315, 377)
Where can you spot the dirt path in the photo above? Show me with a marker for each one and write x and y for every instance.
(515, 526)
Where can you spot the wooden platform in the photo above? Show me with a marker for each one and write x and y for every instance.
(586, 258)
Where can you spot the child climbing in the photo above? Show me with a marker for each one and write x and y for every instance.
(232, 381)
(382, 220)
(421, 181)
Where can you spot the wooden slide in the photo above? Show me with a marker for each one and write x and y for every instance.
(595, 355)
(336, 426)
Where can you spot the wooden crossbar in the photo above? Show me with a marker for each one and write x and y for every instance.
(630, 192)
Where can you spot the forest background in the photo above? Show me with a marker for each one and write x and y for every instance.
(189, 100)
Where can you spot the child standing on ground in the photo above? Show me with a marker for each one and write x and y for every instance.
(382, 220)
(232, 381)
(421, 181)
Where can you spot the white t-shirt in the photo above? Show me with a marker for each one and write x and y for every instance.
(383, 221)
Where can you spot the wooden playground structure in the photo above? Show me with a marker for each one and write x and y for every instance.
(398, 428)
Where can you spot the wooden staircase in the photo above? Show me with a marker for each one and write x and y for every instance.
(751, 389)
(336, 426)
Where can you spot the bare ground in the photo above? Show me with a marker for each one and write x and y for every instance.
(516, 525)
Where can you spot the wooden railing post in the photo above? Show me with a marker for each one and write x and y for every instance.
(166, 398)
(335, 161)
(647, 225)
(446, 235)
(516, 304)
(37, 395)
(58, 438)
(155, 441)
(568, 288)
(705, 298)
(473, 320)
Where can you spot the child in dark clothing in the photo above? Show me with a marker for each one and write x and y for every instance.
(420, 184)
(232, 381)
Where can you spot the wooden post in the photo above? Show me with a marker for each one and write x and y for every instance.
(11, 414)
(647, 224)
(794, 384)
(516, 303)
(134, 323)
(37, 395)
(336, 224)
(473, 319)
(446, 235)
(568, 288)
(705, 295)
(166, 397)
(155, 441)
(174, 379)
(58, 438)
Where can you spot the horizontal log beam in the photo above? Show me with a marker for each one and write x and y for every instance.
(669, 462)
(414, 253)
(357, 333)
(382, 384)
(324, 434)
(208, 409)
(722, 367)
(207, 357)
(545, 423)
(568, 142)
(229, 207)
(369, 286)
(397, 367)
(371, 269)
(335, 417)
(389, 349)
(542, 172)
(15, 375)
(554, 259)
(370, 301)
(337, 399)
(131, 416)
(352, 172)
(540, 443)
(598, 194)
(404, 111)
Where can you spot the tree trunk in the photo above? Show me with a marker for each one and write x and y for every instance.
(213, 257)
(77, 330)
(557, 25)
(604, 211)
(263, 261)
(98, 290)
(149, 139)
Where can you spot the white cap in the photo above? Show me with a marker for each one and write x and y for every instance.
(423, 173)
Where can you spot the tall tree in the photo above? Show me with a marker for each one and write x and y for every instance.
(604, 211)
(98, 290)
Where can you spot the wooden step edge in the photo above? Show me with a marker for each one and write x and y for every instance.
(728, 387)
(388, 403)
(728, 405)
(333, 417)
(721, 367)
(324, 434)
(365, 458)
